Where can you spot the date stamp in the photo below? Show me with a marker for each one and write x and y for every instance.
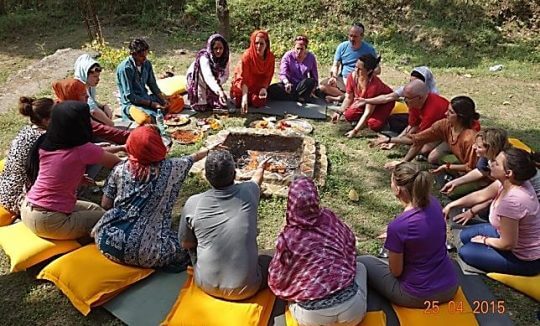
(459, 307)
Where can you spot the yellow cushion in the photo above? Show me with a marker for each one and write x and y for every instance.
(519, 144)
(6, 217)
(173, 85)
(372, 318)
(2, 163)
(26, 249)
(456, 312)
(139, 116)
(400, 108)
(530, 285)
(194, 307)
(89, 279)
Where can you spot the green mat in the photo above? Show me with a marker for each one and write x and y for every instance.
(315, 110)
(149, 301)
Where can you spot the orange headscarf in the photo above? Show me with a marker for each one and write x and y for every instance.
(252, 70)
(144, 146)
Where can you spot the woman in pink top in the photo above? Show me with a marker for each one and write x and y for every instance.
(55, 168)
(510, 242)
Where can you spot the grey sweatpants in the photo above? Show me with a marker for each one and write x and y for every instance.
(381, 280)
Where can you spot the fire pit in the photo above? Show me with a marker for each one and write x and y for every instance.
(290, 154)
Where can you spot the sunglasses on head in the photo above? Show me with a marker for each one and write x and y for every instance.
(96, 69)
(301, 38)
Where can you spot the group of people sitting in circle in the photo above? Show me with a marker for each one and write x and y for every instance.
(314, 266)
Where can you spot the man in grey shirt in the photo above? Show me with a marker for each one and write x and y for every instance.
(221, 224)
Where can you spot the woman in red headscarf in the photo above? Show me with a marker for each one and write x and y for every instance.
(253, 73)
(139, 197)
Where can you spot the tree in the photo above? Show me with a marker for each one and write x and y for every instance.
(3, 10)
(222, 13)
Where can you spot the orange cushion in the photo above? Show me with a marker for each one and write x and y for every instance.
(26, 249)
(89, 279)
(195, 307)
(400, 108)
(519, 144)
(530, 285)
(176, 103)
(456, 312)
(6, 217)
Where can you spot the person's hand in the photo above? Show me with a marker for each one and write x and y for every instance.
(380, 140)
(335, 117)
(448, 187)
(464, 217)
(244, 105)
(391, 165)
(87, 181)
(387, 146)
(358, 103)
(351, 133)
(157, 106)
(446, 209)
(107, 110)
(164, 99)
(479, 239)
(440, 169)
(288, 87)
(222, 98)
(332, 82)
(263, 93)
(264, 164)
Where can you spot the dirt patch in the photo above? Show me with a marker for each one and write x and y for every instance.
(35, 78)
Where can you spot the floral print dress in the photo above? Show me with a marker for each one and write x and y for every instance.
(13, 177)
(137, 230)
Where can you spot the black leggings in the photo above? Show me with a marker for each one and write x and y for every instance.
(303, 90)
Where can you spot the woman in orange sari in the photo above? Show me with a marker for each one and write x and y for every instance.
(253, 73)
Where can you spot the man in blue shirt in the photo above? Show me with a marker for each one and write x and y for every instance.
(347, 53)
(132, 76)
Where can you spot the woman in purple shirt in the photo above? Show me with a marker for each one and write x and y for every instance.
(297, 72)
(418, 268)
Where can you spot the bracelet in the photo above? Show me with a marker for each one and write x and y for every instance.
(484, 240)
(448, 165)
(389, 138)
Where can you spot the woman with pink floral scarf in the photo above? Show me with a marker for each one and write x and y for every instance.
(314, 267)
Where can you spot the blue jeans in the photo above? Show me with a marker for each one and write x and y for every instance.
(490, 259)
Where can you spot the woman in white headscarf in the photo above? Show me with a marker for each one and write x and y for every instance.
(82, 87)
(421, 73)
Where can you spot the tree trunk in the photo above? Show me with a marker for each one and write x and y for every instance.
(222, 13)
(3, 9)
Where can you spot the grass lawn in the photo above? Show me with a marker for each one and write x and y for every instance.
(503, 100)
